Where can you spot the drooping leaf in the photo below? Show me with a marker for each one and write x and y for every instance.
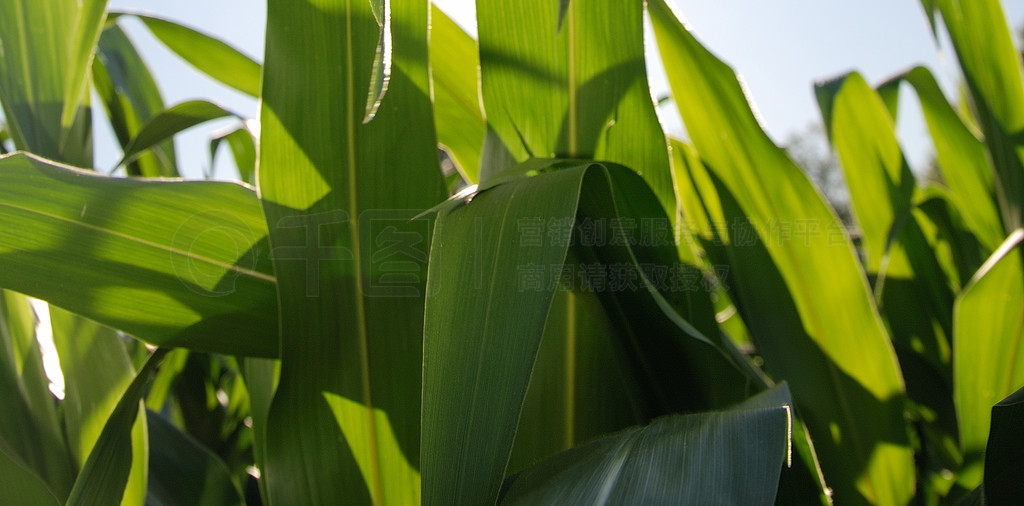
(485, 322)
(131, 98)
(338, 194)
(992, 70)
(182, 472)
(734, 456)
(207, 54)
(106, 471)
(454, 72)
(988, 341)
(172, 263)
(575, 88)
(963, 162)
(796, 279)
(164, 125)
(243, 148)
(912, 290)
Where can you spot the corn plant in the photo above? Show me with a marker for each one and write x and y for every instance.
(584, 312)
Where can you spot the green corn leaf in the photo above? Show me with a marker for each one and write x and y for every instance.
(171, 121)
(37, 41)
(92, 15)
(579, 388)
(96, 372)
(484, 326)
(19, 485)
(106, 471)
(131, 98)
(261, 378)
(988, 342)
(963, 162)
(30, 432)
(574, 88)
(1003, 468)
(792, 268)
(207, 54)
(173, 263)
(911, 288)
(338, 195)
(992, 70)
(735, 456)
(182, 472)
(454, 67)
(243, 148)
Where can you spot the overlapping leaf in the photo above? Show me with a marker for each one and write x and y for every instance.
(796, 279)
(338, 195)
(735, 454)
(485, 321)
(988, 343)
(569, 82)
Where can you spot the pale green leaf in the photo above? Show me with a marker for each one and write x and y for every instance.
(207, 54)
(963, 162)
(454, 72)
(792, 267)
(992, 70)
(988, 343)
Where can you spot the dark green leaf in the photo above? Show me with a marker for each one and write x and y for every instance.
(338, 194)
(734, 456)
(1003, 467)
(183, 472)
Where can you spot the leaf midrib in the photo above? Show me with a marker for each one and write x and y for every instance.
(145, 242)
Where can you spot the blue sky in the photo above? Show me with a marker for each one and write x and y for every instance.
(780, 48)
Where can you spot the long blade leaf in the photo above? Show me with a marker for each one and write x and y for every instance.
(172, 263)
(338, 195)
(791, 271)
